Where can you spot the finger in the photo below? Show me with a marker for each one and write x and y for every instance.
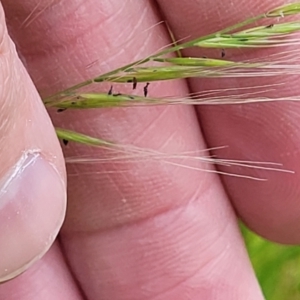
(32, 175)
(47, 279)
(133, 230)
(259, 132)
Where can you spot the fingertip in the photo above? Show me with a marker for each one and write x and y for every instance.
(32, 173)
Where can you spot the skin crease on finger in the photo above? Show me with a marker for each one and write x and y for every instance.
(265, 132)
(156, 231)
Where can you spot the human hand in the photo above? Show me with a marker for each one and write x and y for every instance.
(154, 231)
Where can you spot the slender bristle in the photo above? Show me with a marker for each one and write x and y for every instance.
(161, 66)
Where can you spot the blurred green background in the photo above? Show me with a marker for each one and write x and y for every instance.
(277, 267)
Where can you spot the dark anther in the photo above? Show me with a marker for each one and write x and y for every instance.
(134, 83)
(270, 26)
(61, 110)
(222, 53)
(116, 95)
(110, 90)
(146, 89)
(65, 142)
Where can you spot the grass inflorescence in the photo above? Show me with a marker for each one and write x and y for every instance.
(160, 66)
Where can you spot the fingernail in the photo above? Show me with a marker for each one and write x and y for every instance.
(32, 209)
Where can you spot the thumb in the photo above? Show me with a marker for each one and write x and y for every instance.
(32, 172)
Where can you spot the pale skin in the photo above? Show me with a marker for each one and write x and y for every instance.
(155, 231)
